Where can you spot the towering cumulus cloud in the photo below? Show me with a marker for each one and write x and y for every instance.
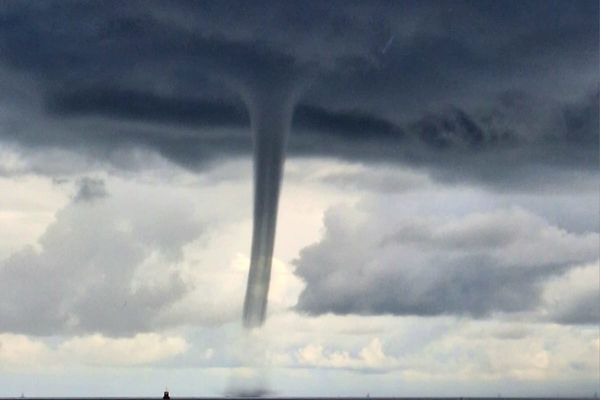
(271, 115)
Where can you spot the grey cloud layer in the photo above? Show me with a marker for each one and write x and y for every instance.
(584, 310)
(475, 265)
(475, 91)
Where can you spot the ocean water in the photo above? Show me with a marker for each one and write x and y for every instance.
(297, 398)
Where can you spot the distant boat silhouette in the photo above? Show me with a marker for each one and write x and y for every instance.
(166, 395)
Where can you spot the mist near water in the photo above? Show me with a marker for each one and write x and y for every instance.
(250, 376)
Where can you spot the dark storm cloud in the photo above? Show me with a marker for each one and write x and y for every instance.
(196, 112)
(170, 77)
(129, 104)
(451, 143)
(348, 125)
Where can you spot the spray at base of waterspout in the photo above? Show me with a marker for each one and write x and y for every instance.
(250, 375)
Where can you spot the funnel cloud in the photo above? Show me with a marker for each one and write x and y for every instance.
(271, 117)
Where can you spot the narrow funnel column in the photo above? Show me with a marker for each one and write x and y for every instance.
(271, 118)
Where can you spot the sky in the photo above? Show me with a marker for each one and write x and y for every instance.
(438, 229)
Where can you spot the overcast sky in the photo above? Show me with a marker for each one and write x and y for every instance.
(439, 223)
